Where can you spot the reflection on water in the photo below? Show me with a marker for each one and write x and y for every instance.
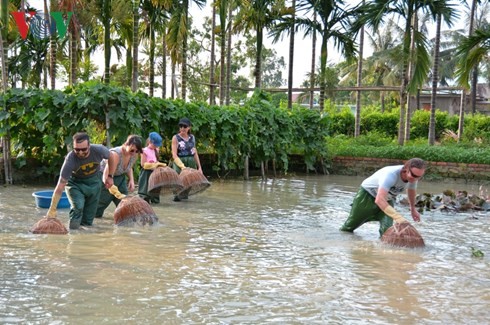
(244, 253)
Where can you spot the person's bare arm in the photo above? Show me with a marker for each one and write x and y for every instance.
(382, 202)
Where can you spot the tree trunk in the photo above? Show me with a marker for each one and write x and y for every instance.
(223, 67)
(323, 72)
(357, 129)
(408, 115)
(164, 64)
(184, 51)
(245, 168)
(73, 56)
(461, 115)
(107, 41)
(313, 58)
(258, 59)
(474, 74)
(151, 58)
(136, 18)
(228, 55)
(435, 80)
(212, 86)
(291, 58)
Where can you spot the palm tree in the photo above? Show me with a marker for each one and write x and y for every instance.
(470, 53)
(373, 14)
(177, 36)
(74, 28)
(155, 16)
(258, 15)
(332, 25)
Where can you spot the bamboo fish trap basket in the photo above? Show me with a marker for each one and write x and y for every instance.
(164, 180)
(403, 235)
(133, 211)
(193, 182)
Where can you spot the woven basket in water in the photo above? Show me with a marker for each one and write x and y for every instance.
(49, 226)
(132, 211)
(403, 235)
(194, 182)
(164, 180)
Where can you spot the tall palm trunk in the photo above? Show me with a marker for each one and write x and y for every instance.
(228, 55)
(404, 81)
(107, 41)
(222, 45)
(435, 80)
(291, 58)
(258, 58)
(7, 161)
(185, 6)
(151, 58)
(408, 113)
(129, 64)
(461, 115)
(474, 74)
(164, 63)
(212, 86)
(74, 58)
(357, 123)
(136, 18)
(323, 72)
(313, 64)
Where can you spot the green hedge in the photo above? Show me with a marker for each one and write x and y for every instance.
(41, 123)
(475, 126)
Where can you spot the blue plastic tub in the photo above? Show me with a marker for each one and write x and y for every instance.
(43, 199)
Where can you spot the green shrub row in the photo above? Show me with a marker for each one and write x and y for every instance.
(41, 123)
(475, 126)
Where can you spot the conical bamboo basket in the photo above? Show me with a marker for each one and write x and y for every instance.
(164, 180)
(193, 182)
(132, 211)
(403, 235)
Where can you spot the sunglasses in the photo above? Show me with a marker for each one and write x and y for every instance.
(414, 175)
(80, 149)
(183, 126)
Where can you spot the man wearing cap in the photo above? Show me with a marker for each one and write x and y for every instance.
(149, 161)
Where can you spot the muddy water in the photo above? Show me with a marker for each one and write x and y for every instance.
(244, 253)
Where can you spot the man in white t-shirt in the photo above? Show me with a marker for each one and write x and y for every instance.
(377, 194)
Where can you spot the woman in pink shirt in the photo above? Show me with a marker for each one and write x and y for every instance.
(150, 154)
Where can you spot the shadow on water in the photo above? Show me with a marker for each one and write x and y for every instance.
(244, 252)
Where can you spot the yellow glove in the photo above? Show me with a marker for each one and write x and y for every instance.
(179, 163)
(391, 212)
(151, 166)
(54, 204)
(115, 191)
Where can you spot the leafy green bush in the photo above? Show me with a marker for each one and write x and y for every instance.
(344, 146)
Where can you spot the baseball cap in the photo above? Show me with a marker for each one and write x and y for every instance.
(156, 139)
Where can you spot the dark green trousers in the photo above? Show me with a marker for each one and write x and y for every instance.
(106, 197)
(364, 210)
(83, 194)
(150, 197)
